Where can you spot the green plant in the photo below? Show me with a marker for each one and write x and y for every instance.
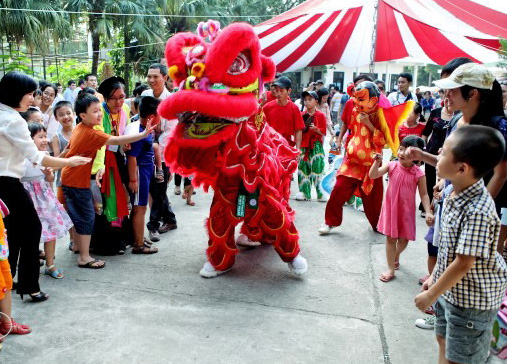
(70, 70)
(16, 61)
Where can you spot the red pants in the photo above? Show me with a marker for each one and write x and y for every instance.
(343, 191)
(270, 224)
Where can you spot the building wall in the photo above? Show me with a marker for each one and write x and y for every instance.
(345, 75)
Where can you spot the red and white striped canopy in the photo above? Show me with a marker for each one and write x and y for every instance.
(321, 32)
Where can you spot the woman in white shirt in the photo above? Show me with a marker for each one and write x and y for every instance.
(16, 145)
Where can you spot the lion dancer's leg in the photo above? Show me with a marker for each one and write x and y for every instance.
(342, 191)
(221, 250)
(278, 228)
(372, 202)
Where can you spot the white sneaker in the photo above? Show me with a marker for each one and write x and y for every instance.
(323, 199)
(298, 266)
(208, 271)
(325, 229)
(300, 196)
(243, 240)
(427, 323)
(154, 236)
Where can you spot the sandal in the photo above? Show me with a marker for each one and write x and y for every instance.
(144, 249)
(91, 265)
(14, 328)
(56, 274)
(396, 265)
(190, 203)
(184, 195)
(386, 277)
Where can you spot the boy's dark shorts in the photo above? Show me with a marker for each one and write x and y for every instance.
(432, 250)
(80, 208)
(467, 331)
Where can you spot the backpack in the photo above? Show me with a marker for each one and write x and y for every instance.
(499, 340)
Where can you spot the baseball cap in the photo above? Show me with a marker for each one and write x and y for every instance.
(468, 74)
(310, 93)
(283, 82)
(319, 81)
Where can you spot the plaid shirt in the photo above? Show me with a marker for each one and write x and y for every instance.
(470, 226)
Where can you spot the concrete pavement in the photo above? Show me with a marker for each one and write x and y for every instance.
(157, 309)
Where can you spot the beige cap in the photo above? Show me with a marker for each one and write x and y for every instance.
(469, 74)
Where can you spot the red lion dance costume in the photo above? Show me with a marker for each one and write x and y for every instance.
(222, 139)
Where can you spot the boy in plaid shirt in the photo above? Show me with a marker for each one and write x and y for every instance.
(470, 277)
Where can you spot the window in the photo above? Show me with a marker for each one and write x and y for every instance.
(338, 80)
(317, 75)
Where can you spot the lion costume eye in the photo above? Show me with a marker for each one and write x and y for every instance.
(240, 65)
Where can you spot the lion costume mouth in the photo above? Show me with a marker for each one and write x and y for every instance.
(199, 126)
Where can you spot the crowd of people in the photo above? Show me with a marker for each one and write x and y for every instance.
(88, 161)
(86, 164)
(460, 138)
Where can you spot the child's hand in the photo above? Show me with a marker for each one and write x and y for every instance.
(427, 283)
(78, 161)
(423, 300)
(430, 218)
(378, 157)
(98, 177)
(149, 128)
(126, 147)
(133, 186)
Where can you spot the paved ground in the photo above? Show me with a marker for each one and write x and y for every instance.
(157, 309)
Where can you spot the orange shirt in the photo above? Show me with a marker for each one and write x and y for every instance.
(85, 142)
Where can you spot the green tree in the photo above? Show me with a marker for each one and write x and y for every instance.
(99, 25)
(138, 30)
(36, 31)
(502, 54)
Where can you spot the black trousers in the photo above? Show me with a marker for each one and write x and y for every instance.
(161, 211)
(177, 181)
(431, 181)
(23, 234)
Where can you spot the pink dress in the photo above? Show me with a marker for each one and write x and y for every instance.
(397, 218)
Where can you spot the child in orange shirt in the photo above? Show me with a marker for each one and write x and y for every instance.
(86, 141)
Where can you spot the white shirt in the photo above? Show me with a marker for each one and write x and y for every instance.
(164, 95)
(166, 125)
(69, 96)
(58, 98)
(336, 99)
(16, 145)
(396, 98)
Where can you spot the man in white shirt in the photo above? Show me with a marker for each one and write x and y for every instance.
(403, 94)
(59, 97)
(160, 209)
(335, 106)
(68, 94)
(81, 85)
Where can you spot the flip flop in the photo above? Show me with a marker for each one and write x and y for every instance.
(387, 277)
(396, 265)
(190, 203)
(90, 265)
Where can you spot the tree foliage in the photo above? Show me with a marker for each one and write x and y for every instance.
(140, 39)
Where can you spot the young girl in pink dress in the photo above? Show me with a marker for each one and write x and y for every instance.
(397, 218)
(54, 220)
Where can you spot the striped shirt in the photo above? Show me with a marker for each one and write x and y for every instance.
(470, 226)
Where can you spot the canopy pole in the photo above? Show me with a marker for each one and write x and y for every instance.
(374, 38)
